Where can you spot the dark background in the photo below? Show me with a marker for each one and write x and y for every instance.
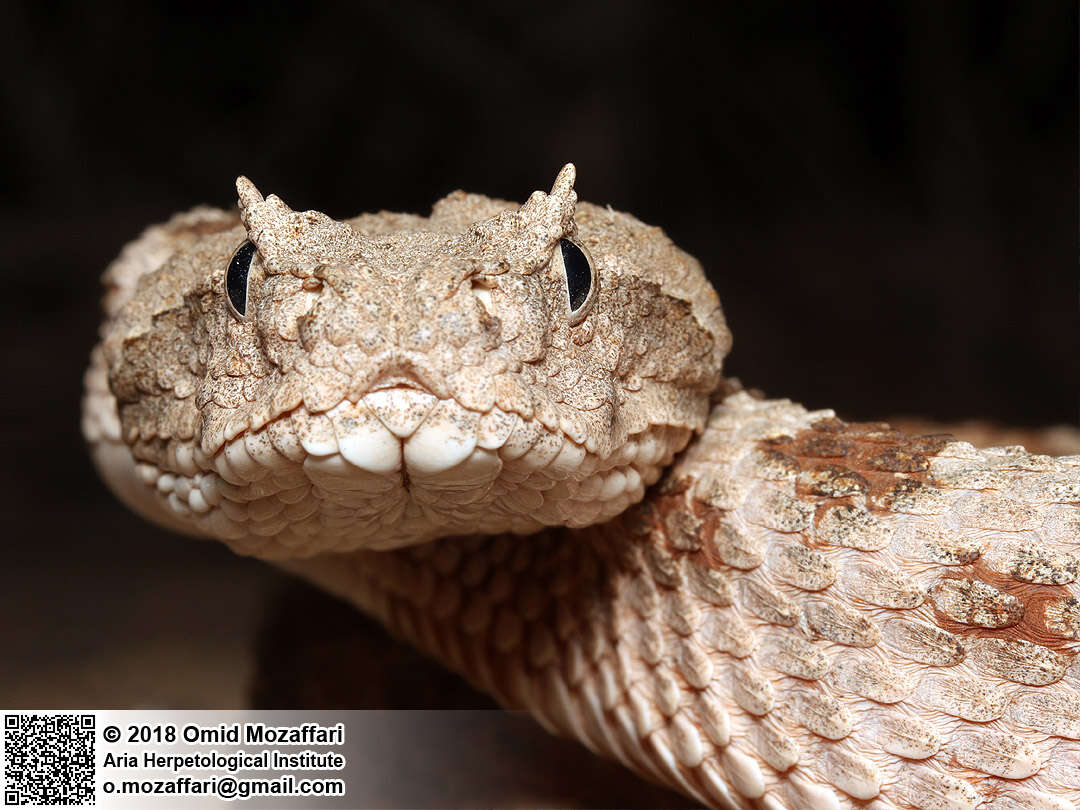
(885, 196)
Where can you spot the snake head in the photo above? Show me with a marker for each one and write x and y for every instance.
(299, 384)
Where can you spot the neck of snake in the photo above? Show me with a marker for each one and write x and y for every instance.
(752, 624)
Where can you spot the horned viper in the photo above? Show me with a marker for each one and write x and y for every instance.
(500, 430)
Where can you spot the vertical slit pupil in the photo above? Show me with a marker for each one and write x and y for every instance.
(236, 279)
(578, 273)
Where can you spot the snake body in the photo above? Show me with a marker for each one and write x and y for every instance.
(502, 430)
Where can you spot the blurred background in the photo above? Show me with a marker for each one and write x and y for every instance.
(885, 196)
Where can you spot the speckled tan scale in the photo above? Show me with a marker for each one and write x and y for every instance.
(802, 614)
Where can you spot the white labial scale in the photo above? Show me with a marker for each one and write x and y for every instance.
(185, 459)
(316, 434)
(225, 470)
(197, 502)
(568, 462)
(364, 440)
(521, 439)
(261, 450)
(495, 428)
(445, 439)
(241, 462)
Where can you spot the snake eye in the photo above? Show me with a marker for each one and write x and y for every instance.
(236, 279)
(580, 279)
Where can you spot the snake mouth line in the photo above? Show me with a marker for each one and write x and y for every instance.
(398, 382)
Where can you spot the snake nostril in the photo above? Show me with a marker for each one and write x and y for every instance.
(481, 288)
(484, 296)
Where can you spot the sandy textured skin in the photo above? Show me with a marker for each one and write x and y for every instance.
(398, 378)
(802, 613)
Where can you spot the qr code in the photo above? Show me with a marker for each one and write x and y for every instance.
(49, 759)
